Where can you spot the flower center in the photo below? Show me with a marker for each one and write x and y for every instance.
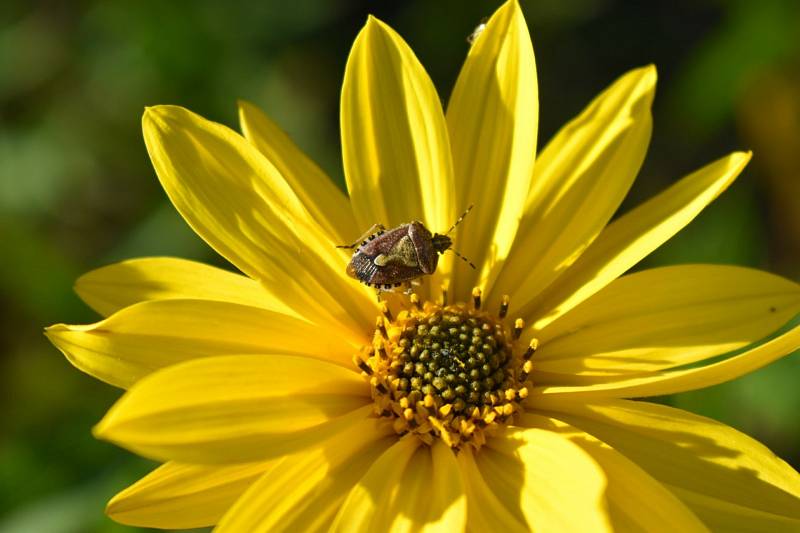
(447, 371)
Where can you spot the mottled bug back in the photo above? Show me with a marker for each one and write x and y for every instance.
(398, 255)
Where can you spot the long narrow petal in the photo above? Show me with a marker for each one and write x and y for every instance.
(724, 516)
(545, 479)
(147, 336)
(633, 236)
(486, 509)
(239, 203)
(183, 496)
(636, 501)
(728, 471)
(674, 381)
(236, 408)
(111, 288)
(411, 487)
(304, 491)
(493, 117)
(326, 203)
(579, 181)
(394, 140)
(664, 317)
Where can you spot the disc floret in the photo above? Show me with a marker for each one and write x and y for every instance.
(446, 371)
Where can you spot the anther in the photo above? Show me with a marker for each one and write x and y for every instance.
(382, 352)
(386, 312)
(527, 368)
(504, 306)
(381, 327)
(519, 324)
(476, 298)
(378, 385)
(414, 299)
(534, 344)
(360, 363)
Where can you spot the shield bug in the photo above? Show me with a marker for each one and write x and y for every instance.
(387, 259)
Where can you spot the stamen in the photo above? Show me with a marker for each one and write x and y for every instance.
(527, 368)
(360, 363)
(386, 312)
(445, 287)
(476, 298)
(504, 306)
(380, 326)
(534, 344)
(414, 299)
(519, 325)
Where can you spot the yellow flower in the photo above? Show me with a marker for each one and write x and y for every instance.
(464, 408)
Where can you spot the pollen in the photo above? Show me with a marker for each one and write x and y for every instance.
(452, 372)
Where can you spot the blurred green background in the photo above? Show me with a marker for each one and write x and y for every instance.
(77, 190)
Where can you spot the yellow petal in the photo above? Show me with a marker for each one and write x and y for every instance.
(487, 510)
(633, 236)
(724, 516)
(636, 501)
(664, 317)
(235, 408)
(674, 381)
(492, 118)
(239, 203)
(545, 479)
(304, 491)
(579, 181)
(110, 288)
(182, 496)
(147, 336)
(326, 203)
(411, 487)
(394, 139)
(728, 469)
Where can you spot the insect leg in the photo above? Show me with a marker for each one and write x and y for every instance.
(371, 231)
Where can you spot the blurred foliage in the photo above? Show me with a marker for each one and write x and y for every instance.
(77, 190)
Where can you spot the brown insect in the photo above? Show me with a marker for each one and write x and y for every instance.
(388, 259)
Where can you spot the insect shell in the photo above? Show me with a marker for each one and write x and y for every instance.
(388, 259)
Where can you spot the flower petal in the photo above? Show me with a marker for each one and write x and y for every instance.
(492, 118)
(633, 236)
(586, 169)
(394, 139)
(147, 336)
(236, 408)
(661, 318)
(636, 501)
(239, 203)
(545, 480)
(326, 203)
(182, 496)
(725, 468)
(674, 381)
(304, 491)
(411, 487)
(487, 510)
(111, 288)
(724, 516)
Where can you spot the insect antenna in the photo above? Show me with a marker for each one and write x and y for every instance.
(467, 261)
(457, 222)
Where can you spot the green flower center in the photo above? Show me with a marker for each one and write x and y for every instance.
(447, 371)
(455, 357)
